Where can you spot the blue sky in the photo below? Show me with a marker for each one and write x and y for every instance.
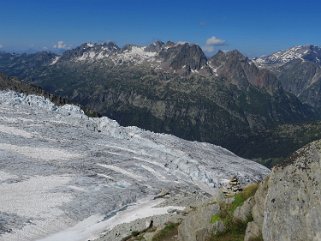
(253, 27)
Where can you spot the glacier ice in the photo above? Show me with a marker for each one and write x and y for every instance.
(59, 168)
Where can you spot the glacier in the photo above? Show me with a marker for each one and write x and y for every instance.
(64, 174)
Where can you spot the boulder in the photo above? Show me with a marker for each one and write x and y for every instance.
(204, 234)
(293, 206)
(197, 226)
(252, 232)
(244, 212)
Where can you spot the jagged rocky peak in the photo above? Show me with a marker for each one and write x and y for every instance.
(309, 53)
(129, 47)
(111, 46)
(241, 71)
(157, 46)
(233, 66)
(183, 56)
(235, 54)
(91, 51)
(312, 53)
(221, 58)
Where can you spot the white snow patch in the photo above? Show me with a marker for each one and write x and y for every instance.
(136, 55)
(105, 176)
(90, 45)
(155, 173)
(91, 227)
(194, 71)
(15, 120)
(15, 131)
(213, 68)
(5, 176)
(43, 153)
(285, 56)
(143, 209)
(34, 199)
(75, 188)
(55, 60)
(122, 171)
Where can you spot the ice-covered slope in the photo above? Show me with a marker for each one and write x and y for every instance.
(60, 170)
(304, 53)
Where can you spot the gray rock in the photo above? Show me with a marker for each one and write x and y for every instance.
(189, 55)
(204, 234)
(293, 208)
(252, 231)
(259, 206)
(244, 212)
(197, 225)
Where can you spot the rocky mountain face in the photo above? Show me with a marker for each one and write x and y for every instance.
(11, 83)
(238, 69)
(173, 88)
(287, 205)
(299, 71)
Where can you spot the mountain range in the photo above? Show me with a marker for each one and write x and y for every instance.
(258, 108)
(298, 70)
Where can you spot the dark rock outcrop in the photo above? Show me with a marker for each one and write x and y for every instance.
(242, 72)
(188, 56)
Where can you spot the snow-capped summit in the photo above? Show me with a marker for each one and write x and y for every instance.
(134, 54)
(304, 53)
(90, 51)
(176, 57)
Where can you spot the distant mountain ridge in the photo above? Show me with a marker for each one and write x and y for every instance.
(10, 83)
(171, 88)
(298, 70)
(310, 53)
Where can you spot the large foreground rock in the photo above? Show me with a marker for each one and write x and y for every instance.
(287, 203)
(293, 204)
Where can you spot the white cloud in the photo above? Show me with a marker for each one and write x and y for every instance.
(60, 45)
(212, 42)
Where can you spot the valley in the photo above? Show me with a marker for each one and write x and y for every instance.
(227, 99)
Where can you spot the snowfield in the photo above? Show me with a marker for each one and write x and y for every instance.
(64, 176)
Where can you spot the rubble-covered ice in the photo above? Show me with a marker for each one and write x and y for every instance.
(60, 169)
